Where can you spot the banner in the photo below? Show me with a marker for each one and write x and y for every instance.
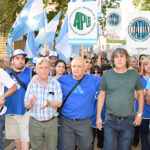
(113, 19)
(82, 23)
(138, 29)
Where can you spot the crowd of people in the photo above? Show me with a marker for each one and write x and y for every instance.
(97, 98)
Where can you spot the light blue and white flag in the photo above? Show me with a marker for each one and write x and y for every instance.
(30, 19)
(64, 50)
(30, 47)
(62, 47)
(50, 30)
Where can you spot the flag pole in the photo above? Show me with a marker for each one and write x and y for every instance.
(138, 57)
(82, 51)
(45, 30)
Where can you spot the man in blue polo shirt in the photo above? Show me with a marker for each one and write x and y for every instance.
(76, 125)
(17, 119)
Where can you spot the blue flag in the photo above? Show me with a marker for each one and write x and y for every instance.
(30, 19)
(50, 31)
(30, 47)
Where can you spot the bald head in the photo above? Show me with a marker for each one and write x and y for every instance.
(78, 68)
(78, 60)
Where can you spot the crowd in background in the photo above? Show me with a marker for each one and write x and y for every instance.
(95, 65)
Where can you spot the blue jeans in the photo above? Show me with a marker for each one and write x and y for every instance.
(2, 121)
(117, 132)
(144, 131)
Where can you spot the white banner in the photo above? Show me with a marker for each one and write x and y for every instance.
(82, 23)
(138, 26)
(113, 19)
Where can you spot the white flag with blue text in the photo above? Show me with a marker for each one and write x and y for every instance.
(50, 30)
(30, 19)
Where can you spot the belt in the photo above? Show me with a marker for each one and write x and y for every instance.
(119, 118)
(75, 119)
(43, 120)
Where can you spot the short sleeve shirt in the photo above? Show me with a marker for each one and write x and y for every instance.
(119, 90)
(5, 81)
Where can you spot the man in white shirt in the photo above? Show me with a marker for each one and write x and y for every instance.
(5, 81)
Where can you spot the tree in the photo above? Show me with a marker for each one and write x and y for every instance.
(8, 11)
(142, 4)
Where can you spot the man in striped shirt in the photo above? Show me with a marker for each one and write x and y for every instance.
(43, 98)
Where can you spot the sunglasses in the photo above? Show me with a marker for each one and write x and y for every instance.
(89, 62)
(96, 72)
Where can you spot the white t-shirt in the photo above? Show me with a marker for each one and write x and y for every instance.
(5, 81)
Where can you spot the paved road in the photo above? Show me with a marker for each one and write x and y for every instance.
(9, 145)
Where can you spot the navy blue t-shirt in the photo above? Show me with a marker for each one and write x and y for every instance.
(80, 104)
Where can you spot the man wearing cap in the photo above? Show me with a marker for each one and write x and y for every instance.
(53, 57)
(17, 119)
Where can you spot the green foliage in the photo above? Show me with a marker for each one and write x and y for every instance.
(8, 11)
(142, 4)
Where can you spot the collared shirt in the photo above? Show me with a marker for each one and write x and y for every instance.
(52, 92)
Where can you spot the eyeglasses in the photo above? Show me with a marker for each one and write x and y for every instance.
(96, 72)
(89, 62)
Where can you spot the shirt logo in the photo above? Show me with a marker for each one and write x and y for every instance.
(78, 90)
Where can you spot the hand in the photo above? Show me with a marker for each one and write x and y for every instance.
(137, 120)
(2, 101)
(46, 104)
(32, 100)
(91, 49)
(99, 123)
(34, 79)
(100, 52)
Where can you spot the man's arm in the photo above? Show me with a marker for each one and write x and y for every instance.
(148, 97)
(9, 92)
(100, 104)
(138, 118)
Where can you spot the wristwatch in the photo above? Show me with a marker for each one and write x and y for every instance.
(139, 114)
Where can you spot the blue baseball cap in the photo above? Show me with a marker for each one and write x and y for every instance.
(18, 52)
